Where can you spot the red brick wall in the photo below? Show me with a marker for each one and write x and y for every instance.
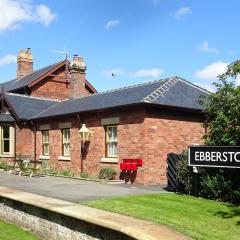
(52, 90)
(167, 132)
(56, 88)
(130, 141)
(24, 141)
(148, 135)
(24, 68)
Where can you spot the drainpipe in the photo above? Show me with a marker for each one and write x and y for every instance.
(81, 147)
(35, 144)
(15, 141)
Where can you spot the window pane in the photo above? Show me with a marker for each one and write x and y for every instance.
(66, 149)
(115, 134)
(45, 149)
(115, 149)
(6, 146)
(109, 134)
(112, 149)
(66, 135)
(45, 136)
(5, 132)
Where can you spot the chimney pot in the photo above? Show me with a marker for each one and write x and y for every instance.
(77, 64)
(25, 63)
(77, 70)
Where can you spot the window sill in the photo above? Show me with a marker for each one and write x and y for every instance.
(6, 155)
(43, 157)
(64, 158)
(109, 160)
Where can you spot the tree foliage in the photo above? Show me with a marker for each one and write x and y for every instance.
(184, 175)
(222, 110)
(233, 71)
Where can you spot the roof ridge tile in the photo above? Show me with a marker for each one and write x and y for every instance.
(34, 97)
(122, 88)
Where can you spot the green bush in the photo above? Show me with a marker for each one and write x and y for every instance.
(107, 173)
(4, 166)
(52, 171)
(66, 173)
(219, 185)
(84, 175)
(184, 175)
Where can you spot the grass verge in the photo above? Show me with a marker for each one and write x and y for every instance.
(196, 217)
(12, 232)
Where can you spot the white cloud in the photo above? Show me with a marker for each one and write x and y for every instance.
(111, 24)
(211, 71)
(8, 59)
(153, 73)
(237, 80)
(110, 72)
(44, 15)
(207, 49)
(15, 12)
(181, 12)
(206, 85)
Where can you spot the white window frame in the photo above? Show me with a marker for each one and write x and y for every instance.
(66, 142)
(45, 142)
(11, 141)
(108, 141)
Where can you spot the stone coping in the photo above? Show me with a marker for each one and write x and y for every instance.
(138, 229)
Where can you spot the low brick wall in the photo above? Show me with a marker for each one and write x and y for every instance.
(51, 225)
(55, 219)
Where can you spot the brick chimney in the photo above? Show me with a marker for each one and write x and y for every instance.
(77, 69)
(25, 63)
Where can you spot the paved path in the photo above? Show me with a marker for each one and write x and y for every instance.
(71, 189)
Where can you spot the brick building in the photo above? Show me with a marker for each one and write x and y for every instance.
(42, 112)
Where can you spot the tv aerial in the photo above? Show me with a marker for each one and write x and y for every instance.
(65, 53)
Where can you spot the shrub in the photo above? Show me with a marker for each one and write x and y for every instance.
(84, 175)
(52, 171)
(4, 166)
(184, 175)
(66, 173)
(107, 173)
(219, 185)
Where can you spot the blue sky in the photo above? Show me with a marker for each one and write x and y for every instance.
(137, 40)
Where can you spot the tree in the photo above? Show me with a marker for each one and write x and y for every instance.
(222, 109)
(233, 70)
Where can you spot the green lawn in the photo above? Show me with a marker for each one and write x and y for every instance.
(12, 232)
(195, 217)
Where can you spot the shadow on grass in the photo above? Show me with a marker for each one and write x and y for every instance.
(234, 211)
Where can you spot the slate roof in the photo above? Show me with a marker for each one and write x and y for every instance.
(6, 117)
(17, 84)
(175, 92)
(25, 106)
(182, 94)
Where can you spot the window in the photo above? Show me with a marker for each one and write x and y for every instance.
(5, 140)
(66, 142)
(111, 141)
(45, 142)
